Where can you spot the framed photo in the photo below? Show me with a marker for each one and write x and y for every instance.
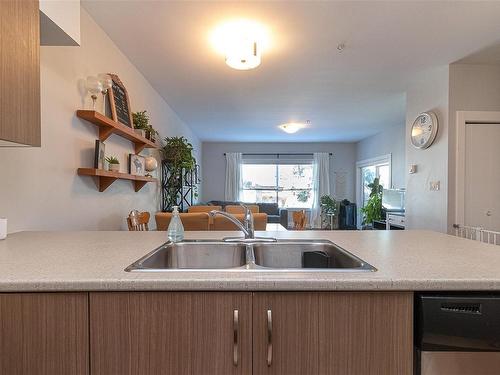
(99, 154)
(136, 165)
(119, 102)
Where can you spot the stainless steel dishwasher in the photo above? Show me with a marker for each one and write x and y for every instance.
(457, 334)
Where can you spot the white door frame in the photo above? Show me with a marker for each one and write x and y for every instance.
(462, 119)
(382, 159)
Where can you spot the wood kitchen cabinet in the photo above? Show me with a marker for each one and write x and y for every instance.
(44, 334)
(171, 333)
(19, 72)
(334, 333)
(306, 333)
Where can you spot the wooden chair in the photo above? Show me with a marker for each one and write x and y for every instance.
(138, 221)
(236, 209)
(194, 209)
(221, 223)
(190, 221)
(299, 220)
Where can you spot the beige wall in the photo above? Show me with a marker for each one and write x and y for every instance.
(472, 88)
(39, 188)
(390, 141)
(427, 209)
(342, 163)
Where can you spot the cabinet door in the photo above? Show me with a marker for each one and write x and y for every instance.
(366, 333)
(286, 333)
(170, 333)
(337, 333)
(20, 72)
(44, 334)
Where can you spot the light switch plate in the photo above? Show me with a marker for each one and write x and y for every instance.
(413, 168)
(434, 185)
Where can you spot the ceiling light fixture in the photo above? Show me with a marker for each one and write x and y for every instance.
(293, 127)
(241, 42)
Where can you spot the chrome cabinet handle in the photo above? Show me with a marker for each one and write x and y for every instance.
(269, 337)
(236, 328)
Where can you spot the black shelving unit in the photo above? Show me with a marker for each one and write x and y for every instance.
(183, 185)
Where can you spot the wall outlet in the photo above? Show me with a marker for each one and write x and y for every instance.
(434, 185)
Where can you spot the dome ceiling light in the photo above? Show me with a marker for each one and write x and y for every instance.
(293, 127)
(241, 42)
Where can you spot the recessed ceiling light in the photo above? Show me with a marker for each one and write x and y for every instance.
(293, 127)
(241, 42)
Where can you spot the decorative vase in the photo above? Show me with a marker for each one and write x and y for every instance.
(114, 167)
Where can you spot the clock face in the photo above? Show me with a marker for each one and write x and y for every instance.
(424, 130)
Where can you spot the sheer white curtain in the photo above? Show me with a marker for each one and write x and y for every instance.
(233, 176)
(321, 184)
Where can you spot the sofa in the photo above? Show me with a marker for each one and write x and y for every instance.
(274, 213)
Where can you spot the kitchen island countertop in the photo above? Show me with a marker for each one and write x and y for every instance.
(92, 261)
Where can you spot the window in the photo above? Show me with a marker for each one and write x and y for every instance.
(289, 185)
(369, 173)
(367, 170)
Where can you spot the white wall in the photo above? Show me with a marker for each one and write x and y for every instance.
(390, 141)
(39, 188)
(342, 162)
(472, 88)
(427, 209)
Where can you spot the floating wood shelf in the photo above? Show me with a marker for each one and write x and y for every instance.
(106, 178)
(108, 127)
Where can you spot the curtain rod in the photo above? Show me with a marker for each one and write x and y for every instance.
(281, 153)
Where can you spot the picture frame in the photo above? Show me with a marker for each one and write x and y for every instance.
(136, 165)
(99, 154)
(119, 102)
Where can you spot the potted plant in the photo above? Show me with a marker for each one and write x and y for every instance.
(142, 125)
(113, 163)
(328, 209)
(373, 209)
(177, 154)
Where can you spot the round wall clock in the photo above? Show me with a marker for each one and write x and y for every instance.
(424, 130)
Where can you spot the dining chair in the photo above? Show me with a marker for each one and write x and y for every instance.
(138, 221)
(207, 208)
(222, 223)
(299, 220)
(190, 221)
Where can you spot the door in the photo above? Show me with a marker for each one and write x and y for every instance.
(482, 176)
(335, 333)
(170, 333)
(44, 333)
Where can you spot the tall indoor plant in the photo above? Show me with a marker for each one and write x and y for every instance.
(177, 154)
(373, 208)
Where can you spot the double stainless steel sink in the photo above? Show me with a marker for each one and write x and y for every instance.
(284, 255)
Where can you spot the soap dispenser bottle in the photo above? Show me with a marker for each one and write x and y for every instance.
(175, 228)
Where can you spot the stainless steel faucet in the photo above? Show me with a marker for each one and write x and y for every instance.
(246, 227)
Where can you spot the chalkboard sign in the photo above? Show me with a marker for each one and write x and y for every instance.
(120, 103)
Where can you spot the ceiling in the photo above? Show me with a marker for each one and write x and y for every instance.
(347, 96)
